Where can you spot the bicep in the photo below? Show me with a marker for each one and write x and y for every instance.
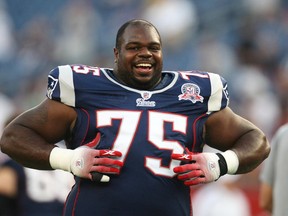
(51, 120)
(224, 128)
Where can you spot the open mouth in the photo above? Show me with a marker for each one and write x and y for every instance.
(144, 67)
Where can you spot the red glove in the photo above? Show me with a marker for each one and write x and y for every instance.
(87, 162)
(202, 167)
(90, 163)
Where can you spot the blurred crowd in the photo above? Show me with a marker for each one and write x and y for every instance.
(244, 40)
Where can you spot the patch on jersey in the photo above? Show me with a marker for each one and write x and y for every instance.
(190, 92)
(144, 101)
(52, 83)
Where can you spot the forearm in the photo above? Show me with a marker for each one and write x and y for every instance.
(26, 147)
(31, 150)
(252, 149)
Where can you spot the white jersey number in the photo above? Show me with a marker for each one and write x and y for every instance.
(156, 122)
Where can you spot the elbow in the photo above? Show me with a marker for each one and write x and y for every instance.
(252, 154)
(3, 143)
(6, 144)
(266, 148)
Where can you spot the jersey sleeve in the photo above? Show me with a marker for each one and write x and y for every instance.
(61, 85)
(219, 98)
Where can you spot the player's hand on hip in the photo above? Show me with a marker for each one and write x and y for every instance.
(87, 162)
(199, 168)
(93, 163)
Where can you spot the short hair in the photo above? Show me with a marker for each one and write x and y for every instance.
(132, 22)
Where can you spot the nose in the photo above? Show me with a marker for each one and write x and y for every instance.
(145, 52)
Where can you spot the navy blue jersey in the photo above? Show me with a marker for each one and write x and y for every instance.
(39, 192)
(146, 126)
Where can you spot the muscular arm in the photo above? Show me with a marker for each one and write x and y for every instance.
(225, 130)
(31, 136)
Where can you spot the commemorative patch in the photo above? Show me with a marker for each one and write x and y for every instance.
(190, 91)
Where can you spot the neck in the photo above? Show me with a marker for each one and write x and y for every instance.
(136, 84)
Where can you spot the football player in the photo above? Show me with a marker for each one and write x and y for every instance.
(135, 133)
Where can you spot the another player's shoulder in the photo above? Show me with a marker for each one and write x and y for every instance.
(283, 128)
(282, 132)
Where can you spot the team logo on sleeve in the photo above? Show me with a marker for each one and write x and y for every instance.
(190, 92)
(226, 93)
(52, 82)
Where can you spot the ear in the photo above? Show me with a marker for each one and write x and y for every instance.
(116, 53)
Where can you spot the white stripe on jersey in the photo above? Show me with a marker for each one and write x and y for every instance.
(214, 103)
(170, 85)
(66, 84)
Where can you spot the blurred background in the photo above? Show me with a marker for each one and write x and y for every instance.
(243, 40)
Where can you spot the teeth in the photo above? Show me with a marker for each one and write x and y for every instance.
(143, 65)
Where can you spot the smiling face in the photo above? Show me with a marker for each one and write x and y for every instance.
(139, 56)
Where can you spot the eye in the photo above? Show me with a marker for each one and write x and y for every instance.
(136, 48)
(155, 48)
